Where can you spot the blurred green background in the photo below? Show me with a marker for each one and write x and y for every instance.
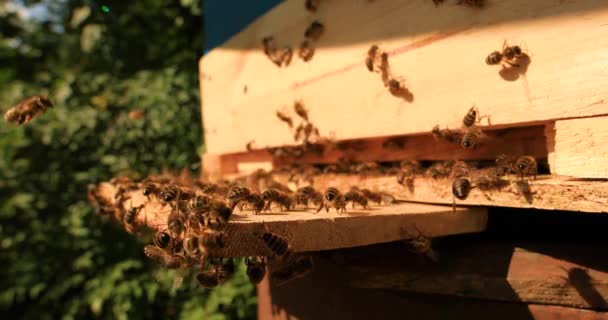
(98, 61)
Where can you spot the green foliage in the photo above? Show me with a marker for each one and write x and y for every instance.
(60, 260)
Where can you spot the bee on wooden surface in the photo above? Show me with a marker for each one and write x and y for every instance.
(209, 278)
(334, 199)
(274, 195)
(451, 136)
(494, 58)
(226, 270)
(26, 110)
(472, 3)
(421, 244)
(461, 188)
(276, 243)
(312, 5)
(470, 139)
(314, 31)
(237, 194)
(472, 117)
(526, 166)
(356, 197)
(394, 143)
(505, 165)
(160, 256)
(218, 215)
(371, 57)
(295, 266)
(459, 169)
(256, 268)
(211, 240)
(285, 118)
(130, 215)
(300, 110)
(164, 240)
(306, 194)
(152, 190)
(509, 55)
(306, 50)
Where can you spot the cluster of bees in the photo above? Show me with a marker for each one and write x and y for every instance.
(377, 61)
(24, 111)
(282, 57)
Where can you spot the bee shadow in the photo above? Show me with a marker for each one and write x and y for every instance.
(513, 73)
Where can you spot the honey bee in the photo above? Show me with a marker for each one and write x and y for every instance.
(526, 166)
(130, 215)
(451, 136)
(472, 117)
(294, 266)
(356, 197)
(160, 256)
(333, 198)
(211, 240)
(209, 278)
(308, 193)
(421, 244)
(504, 165)
(226, 271)
(274, 195)
(371, 57)
(26, 110)
(285, 118)
(175, 193)
(509, 55)
(494, 58)
(306, 50)
(314, 31)
(461, 188)
(218, 215)
(312, 5)
(300, 110)
(163, 240)
(276, 243)
(472, 3)
(470, 139)
(256, 268)
(239, 195)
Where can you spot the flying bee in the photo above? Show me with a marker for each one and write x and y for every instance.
(256, 268)
(451, 136)
(314, 31)
(371, 57)
(312, 5)
(472, 117)
(470, 139)
(377, 197)
(300, 110)
(333, 198)
(306, 194)
(526, 166)
(164, 240)
(306, 50)
(421, 244)
(285, 118)
(162, 257)
(274, 195)
(226, 270)
(494, 58)
(26, 110)
(356, 197)
(487, 181)
(276, 243)
(211, 240)
(294, 266)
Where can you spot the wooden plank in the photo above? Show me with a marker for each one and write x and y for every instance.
(552, 193)
(308, 231)
(328, 296)
(489, 271)
(439, 51)
(579, 148)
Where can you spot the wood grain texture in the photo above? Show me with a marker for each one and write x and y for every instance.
(552, 193)
(580, 148)
(440, 52)
(308, 231)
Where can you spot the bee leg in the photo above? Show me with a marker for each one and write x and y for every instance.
(320, 207)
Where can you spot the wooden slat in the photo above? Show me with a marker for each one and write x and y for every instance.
(578, 148)
(308, 231)
(496, 272)
(439, 51)
(553, 193)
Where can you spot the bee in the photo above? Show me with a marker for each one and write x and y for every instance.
(300, 110)
(295, 266)
(130, 215)
(226, 271)
(306, 50)
(314, 31)
(160, 256)
(26, 110)
(199, 205)
(285, 118)
(312, 5)
(461, 188)
(470, 139)
(371, 57)
(237, 194)
(377, 197)
(509, 55)
(472, 117)
(308, 193)
(190, 245)
(526, 166)
(256, 268)
(451, 136)
(472, 3)
(209, 278)
(407, 173)
(356, 197)
(218, 215)
(211, 240)
(164, 240)
(333, 198)
(421, 244)
(274, 195)
(504, 165)
(459, 169)
(276, 243)
(494, 58)
(397, 88)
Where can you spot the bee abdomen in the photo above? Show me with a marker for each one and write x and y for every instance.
(470, 140)
(494, 58)
(461, 188)
(331, 193)
(276, 243)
